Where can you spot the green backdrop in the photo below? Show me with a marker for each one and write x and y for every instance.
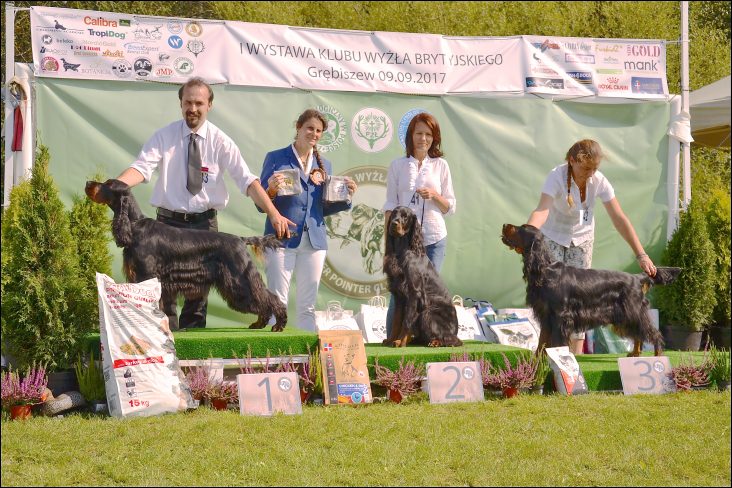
(499, 149)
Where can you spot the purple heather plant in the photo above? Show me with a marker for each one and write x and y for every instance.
(406, 379)
(519, 376)
(224, 390)
(27, 390)
(689, 374)
(199, 381)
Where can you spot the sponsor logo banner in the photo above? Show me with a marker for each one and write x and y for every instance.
(140, 48)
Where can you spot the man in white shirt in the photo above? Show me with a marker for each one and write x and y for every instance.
(195, 208)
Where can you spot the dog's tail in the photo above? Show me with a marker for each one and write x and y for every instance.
(261, 243)
(664, 276)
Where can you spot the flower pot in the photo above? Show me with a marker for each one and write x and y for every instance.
(395, 396)
(98, 407)
(510, 392)
(720, 336)
(62, 381)
(304, 395)
(681, 339)
(536, 390)
(219, 403)
(20, 412)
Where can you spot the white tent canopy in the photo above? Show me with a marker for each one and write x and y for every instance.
(710, 114)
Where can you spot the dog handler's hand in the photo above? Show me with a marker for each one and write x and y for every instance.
(647, 265)
(282, 226)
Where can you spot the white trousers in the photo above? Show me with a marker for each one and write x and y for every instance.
(307, 264)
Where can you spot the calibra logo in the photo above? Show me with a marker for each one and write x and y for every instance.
(371, 130)
(356, 238)
(333, 135)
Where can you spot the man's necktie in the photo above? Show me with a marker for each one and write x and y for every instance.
(195, 181)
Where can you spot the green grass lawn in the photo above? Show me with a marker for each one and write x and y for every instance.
(680, 439)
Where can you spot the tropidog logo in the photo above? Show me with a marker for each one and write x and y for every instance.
(356, 238)
(335, 133)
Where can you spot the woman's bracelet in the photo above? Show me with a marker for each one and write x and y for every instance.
(641, 255)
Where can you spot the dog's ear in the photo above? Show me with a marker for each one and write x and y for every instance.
(415, 237)
(121, 225)
(389, 244)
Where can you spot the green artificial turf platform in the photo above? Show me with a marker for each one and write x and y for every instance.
(600, 370)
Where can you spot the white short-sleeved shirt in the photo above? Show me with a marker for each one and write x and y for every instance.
(403, 179)
(575, 225)
(167, 151)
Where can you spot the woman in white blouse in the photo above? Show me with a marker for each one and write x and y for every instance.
(421, 181)
(566, 213)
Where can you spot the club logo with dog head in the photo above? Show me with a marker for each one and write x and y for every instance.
(355, 238)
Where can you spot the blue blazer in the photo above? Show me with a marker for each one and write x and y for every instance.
(307, 207)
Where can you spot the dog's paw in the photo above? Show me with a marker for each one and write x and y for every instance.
(257, 325)
(435, 343)
(278, 328)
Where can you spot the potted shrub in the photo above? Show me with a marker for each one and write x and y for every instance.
(405, 380)
(719, 371)
(686, 305)
(48, 304)
(514, 378)
(688, 375)
(221, 393)
(18, 394)
(718, 216)
(91, 384)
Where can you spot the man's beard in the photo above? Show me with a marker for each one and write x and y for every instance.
(192, 120)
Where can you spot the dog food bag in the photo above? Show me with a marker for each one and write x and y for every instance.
(291, 185)
(568, 378)
(141, 372)
(343, 361)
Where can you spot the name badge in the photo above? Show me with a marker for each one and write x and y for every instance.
(585, 216)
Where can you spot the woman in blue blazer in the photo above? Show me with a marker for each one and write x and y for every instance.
(304, 253)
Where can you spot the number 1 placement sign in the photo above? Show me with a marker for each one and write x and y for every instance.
(267, 393)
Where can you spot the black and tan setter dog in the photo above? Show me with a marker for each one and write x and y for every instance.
(566, 299)
(188, 261)
(424, 311)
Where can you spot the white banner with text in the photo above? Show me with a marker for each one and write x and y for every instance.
(84, 44)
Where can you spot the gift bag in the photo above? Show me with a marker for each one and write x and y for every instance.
(141, 372)
(468, 326)
(485, 314)
(515, 332)
(568, 378)
(291, 184)
(605, 341)
(522, 313)
(372, 320)
(335, 318)
(335, 189)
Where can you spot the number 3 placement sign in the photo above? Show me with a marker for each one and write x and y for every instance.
(646, 375)
(267, 393)
(454, 382)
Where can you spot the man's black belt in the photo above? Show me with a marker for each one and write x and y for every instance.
(187, 217)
